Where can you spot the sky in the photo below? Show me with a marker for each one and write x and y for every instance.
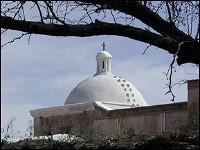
(42, 73)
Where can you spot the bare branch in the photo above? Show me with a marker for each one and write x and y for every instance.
(3, 31)
(169, 72)
(21, 6)
(165, 34)
(197, 33)
(29, 38)
(180, 82)
(113, 16)
(173, 11)
(97, 28)
(147, 16)
(146, 49)
(52, 12)
(169, 13)
(16, 38)
(88, 14)
(41, 17)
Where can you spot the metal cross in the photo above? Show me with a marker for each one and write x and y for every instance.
(104, 45)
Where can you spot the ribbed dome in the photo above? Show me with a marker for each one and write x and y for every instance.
(107, 88)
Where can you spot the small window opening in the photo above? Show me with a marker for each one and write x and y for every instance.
(103, 64)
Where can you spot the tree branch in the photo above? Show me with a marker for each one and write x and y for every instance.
(170, 72)
(16, 38)
(97, 28)
(52, 12)
(40, 12)
(103, 28)
(169, 13)
(147, 16)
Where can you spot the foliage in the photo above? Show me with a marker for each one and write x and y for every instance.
(8, 132)
(126, 134)
(147, 142)
(127, 140)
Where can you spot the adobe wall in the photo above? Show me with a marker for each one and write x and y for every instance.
(143, 120)
(193, 102)
(101, 123)
(76, 123)
(193, 94)
(96, 121)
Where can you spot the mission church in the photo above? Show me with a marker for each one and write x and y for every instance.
(107, 105)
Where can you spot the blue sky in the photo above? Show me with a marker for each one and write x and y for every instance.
(43, 73)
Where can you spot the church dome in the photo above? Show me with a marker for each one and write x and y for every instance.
(106, 87)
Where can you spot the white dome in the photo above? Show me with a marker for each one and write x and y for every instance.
(106, 87)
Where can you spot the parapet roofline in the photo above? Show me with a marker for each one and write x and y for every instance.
(74, 108)
(88, 106)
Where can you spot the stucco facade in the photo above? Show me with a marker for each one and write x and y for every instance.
(94, 120)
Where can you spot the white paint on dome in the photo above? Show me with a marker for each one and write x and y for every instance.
(105, 87)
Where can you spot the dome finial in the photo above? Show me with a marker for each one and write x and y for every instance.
(104, 45)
